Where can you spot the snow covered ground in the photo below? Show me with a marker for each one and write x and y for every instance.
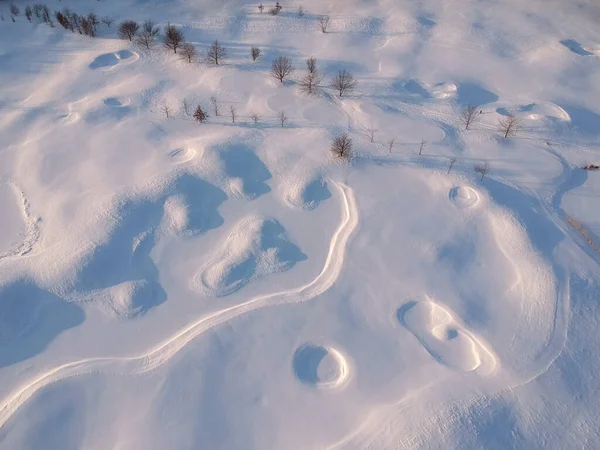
(170, 284)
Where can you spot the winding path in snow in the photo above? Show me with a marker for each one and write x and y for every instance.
(165, 350)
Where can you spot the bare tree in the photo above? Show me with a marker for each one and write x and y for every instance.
(324, 22)
(216, 53)
(188, 51)
(147, 38)
(300, 11)
(94, 21)
(185, 106)
(261, 7)
(311, 64)
(509, 126)
(282, 117)
(28, 12)
(483, 169)
(165, 107)
(281, 68)
(370, 132)
(200, 114)
(341, 146)
(468, 115)
(107, 20)
(255, 116)
(255, 52)
(173, 37)
(344, 82)
(46, 15)
(128, 29)
(310, 82)
(422, 146)
(232, 113)
(275, 10)
(14, 10)
(390, 144)
(452, 161)
(216, 106)
(86, 27)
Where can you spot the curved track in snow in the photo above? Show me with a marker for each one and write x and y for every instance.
(166, 349)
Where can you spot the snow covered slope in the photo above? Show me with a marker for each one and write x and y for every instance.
(166, 283)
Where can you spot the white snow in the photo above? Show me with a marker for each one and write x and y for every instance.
(170, 284)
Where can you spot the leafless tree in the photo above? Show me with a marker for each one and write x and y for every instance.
(261, 7)
(147, 38)
(255, 52)
(107, 20)
(86, 27)
(282, 117)
(93, 20)
(232, 113)
(255, 116)
(509, 126)
(324, 22)
(311, 64)
(390, 144)
(200, 114)
(37, 10)
(370, 132)
(422, 146)
(165, 107)
(173, 37)
(281, 68)
(483, 169)
(468, 115)
(341, 146)
(188, 51)
(310, 82)
(28, 12)
(14, 10)
(128, 29)
(216, 53)
(300, 11)
(275, 10)
(216, 106)
(46, 15)
(185, 105)
(344, 82)
(452, 161)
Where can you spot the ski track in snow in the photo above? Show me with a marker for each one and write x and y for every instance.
(32, 229)
(165, 350)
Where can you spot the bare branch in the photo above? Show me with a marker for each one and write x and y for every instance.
(232, 113)
(281, 68)
(216, 106)
(282, 117)
(173, 37)
(469, 115)
(370, 132)
(216, 53)
(390, 144)
(166, 108)
(128, 29)
(255, 116)
(483, 169)
(344, 82)
(324, 22)
(509, 126)
(341, 146)
(189, 52)
(255, 53)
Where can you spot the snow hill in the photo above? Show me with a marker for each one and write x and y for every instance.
(171, 284)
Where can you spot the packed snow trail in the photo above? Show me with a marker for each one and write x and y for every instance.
(165, 350)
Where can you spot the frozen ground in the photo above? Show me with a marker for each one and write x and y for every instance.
(168, 284)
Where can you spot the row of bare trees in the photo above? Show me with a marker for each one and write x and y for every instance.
(509, 125)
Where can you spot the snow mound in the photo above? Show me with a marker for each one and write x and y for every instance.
(306, 195)
(131, 298)
(182, 155)
(444, 90)
(464, 197)
(108, 61)
(320, 366)
(444, 339)
(257, 247)
(246, 172)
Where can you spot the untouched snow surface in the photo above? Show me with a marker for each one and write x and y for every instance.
(170, 284)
